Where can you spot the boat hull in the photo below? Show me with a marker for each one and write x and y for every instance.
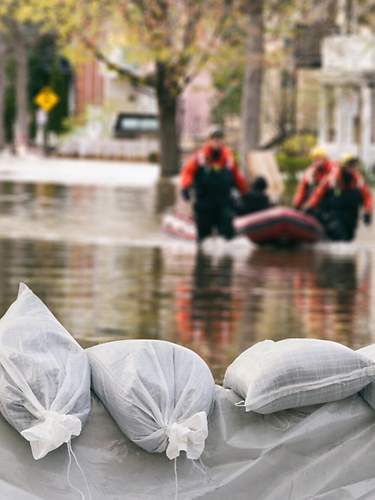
(274, 226)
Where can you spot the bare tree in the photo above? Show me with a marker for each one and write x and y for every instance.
(2, 90)
(20, 37)
(21, 131)
(252, 86)
(349, 16)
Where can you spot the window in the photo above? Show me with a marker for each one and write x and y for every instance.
(130, 124)
(136, 125)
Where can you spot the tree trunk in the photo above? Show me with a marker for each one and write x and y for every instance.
(288, 91)
(167, 98)
(349, 25)
(2, 92)
(21, 133)
(332, 10)
(252, 86)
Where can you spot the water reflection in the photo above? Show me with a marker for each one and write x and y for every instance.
(217, 304)
(222, 308)
(208, 309)
(310, 294)
(337, 299)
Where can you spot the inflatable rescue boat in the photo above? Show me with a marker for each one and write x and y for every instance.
(274, 226)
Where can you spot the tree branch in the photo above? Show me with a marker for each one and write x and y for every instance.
(191, 26)
(205, 56)
(134, 78)
(154, 15)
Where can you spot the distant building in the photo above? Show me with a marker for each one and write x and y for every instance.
(347, 104)
(104, 97)
(88, 86)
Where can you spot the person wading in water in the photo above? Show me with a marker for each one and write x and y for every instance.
(213, 175)
(343, 193)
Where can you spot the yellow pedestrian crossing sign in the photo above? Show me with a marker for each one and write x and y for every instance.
(46, 99)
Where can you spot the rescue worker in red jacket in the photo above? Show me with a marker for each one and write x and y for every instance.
(344, 192)
(320, 168)
(213, 175)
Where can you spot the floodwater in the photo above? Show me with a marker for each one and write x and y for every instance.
(96, 256)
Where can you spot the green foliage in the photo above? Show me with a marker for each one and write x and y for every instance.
(298, 145)
(154, 157)
(294, 153)
(48, 68)
(290, 186)
(228, 68)
(291, 165)
(59, 81)
(228, 82)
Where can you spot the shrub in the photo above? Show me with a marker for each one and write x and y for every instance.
(154, 157)
(294, 153)
(290, 164)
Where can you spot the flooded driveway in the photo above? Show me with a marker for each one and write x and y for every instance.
(96, 256)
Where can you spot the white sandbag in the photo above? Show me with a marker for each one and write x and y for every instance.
(273, 376)
(368, 392)
(368, 351)
(158, 393)
(44, 375)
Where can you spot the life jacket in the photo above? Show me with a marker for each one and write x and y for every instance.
(314, 176)
(317, 172)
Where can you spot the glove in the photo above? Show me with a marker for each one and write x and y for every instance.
(367, 219)
(185, 193)
(308, 211)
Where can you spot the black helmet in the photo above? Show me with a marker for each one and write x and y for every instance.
(260, 184)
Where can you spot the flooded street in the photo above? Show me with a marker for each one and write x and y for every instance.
(95, 255)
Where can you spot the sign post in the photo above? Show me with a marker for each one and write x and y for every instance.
(46, 100)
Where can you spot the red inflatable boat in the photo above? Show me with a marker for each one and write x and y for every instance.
(274, 226)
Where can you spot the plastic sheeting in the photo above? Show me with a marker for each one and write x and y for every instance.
(323, 452)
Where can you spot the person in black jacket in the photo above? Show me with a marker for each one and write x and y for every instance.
(256, 199)
(213, 175)
(344, 198)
